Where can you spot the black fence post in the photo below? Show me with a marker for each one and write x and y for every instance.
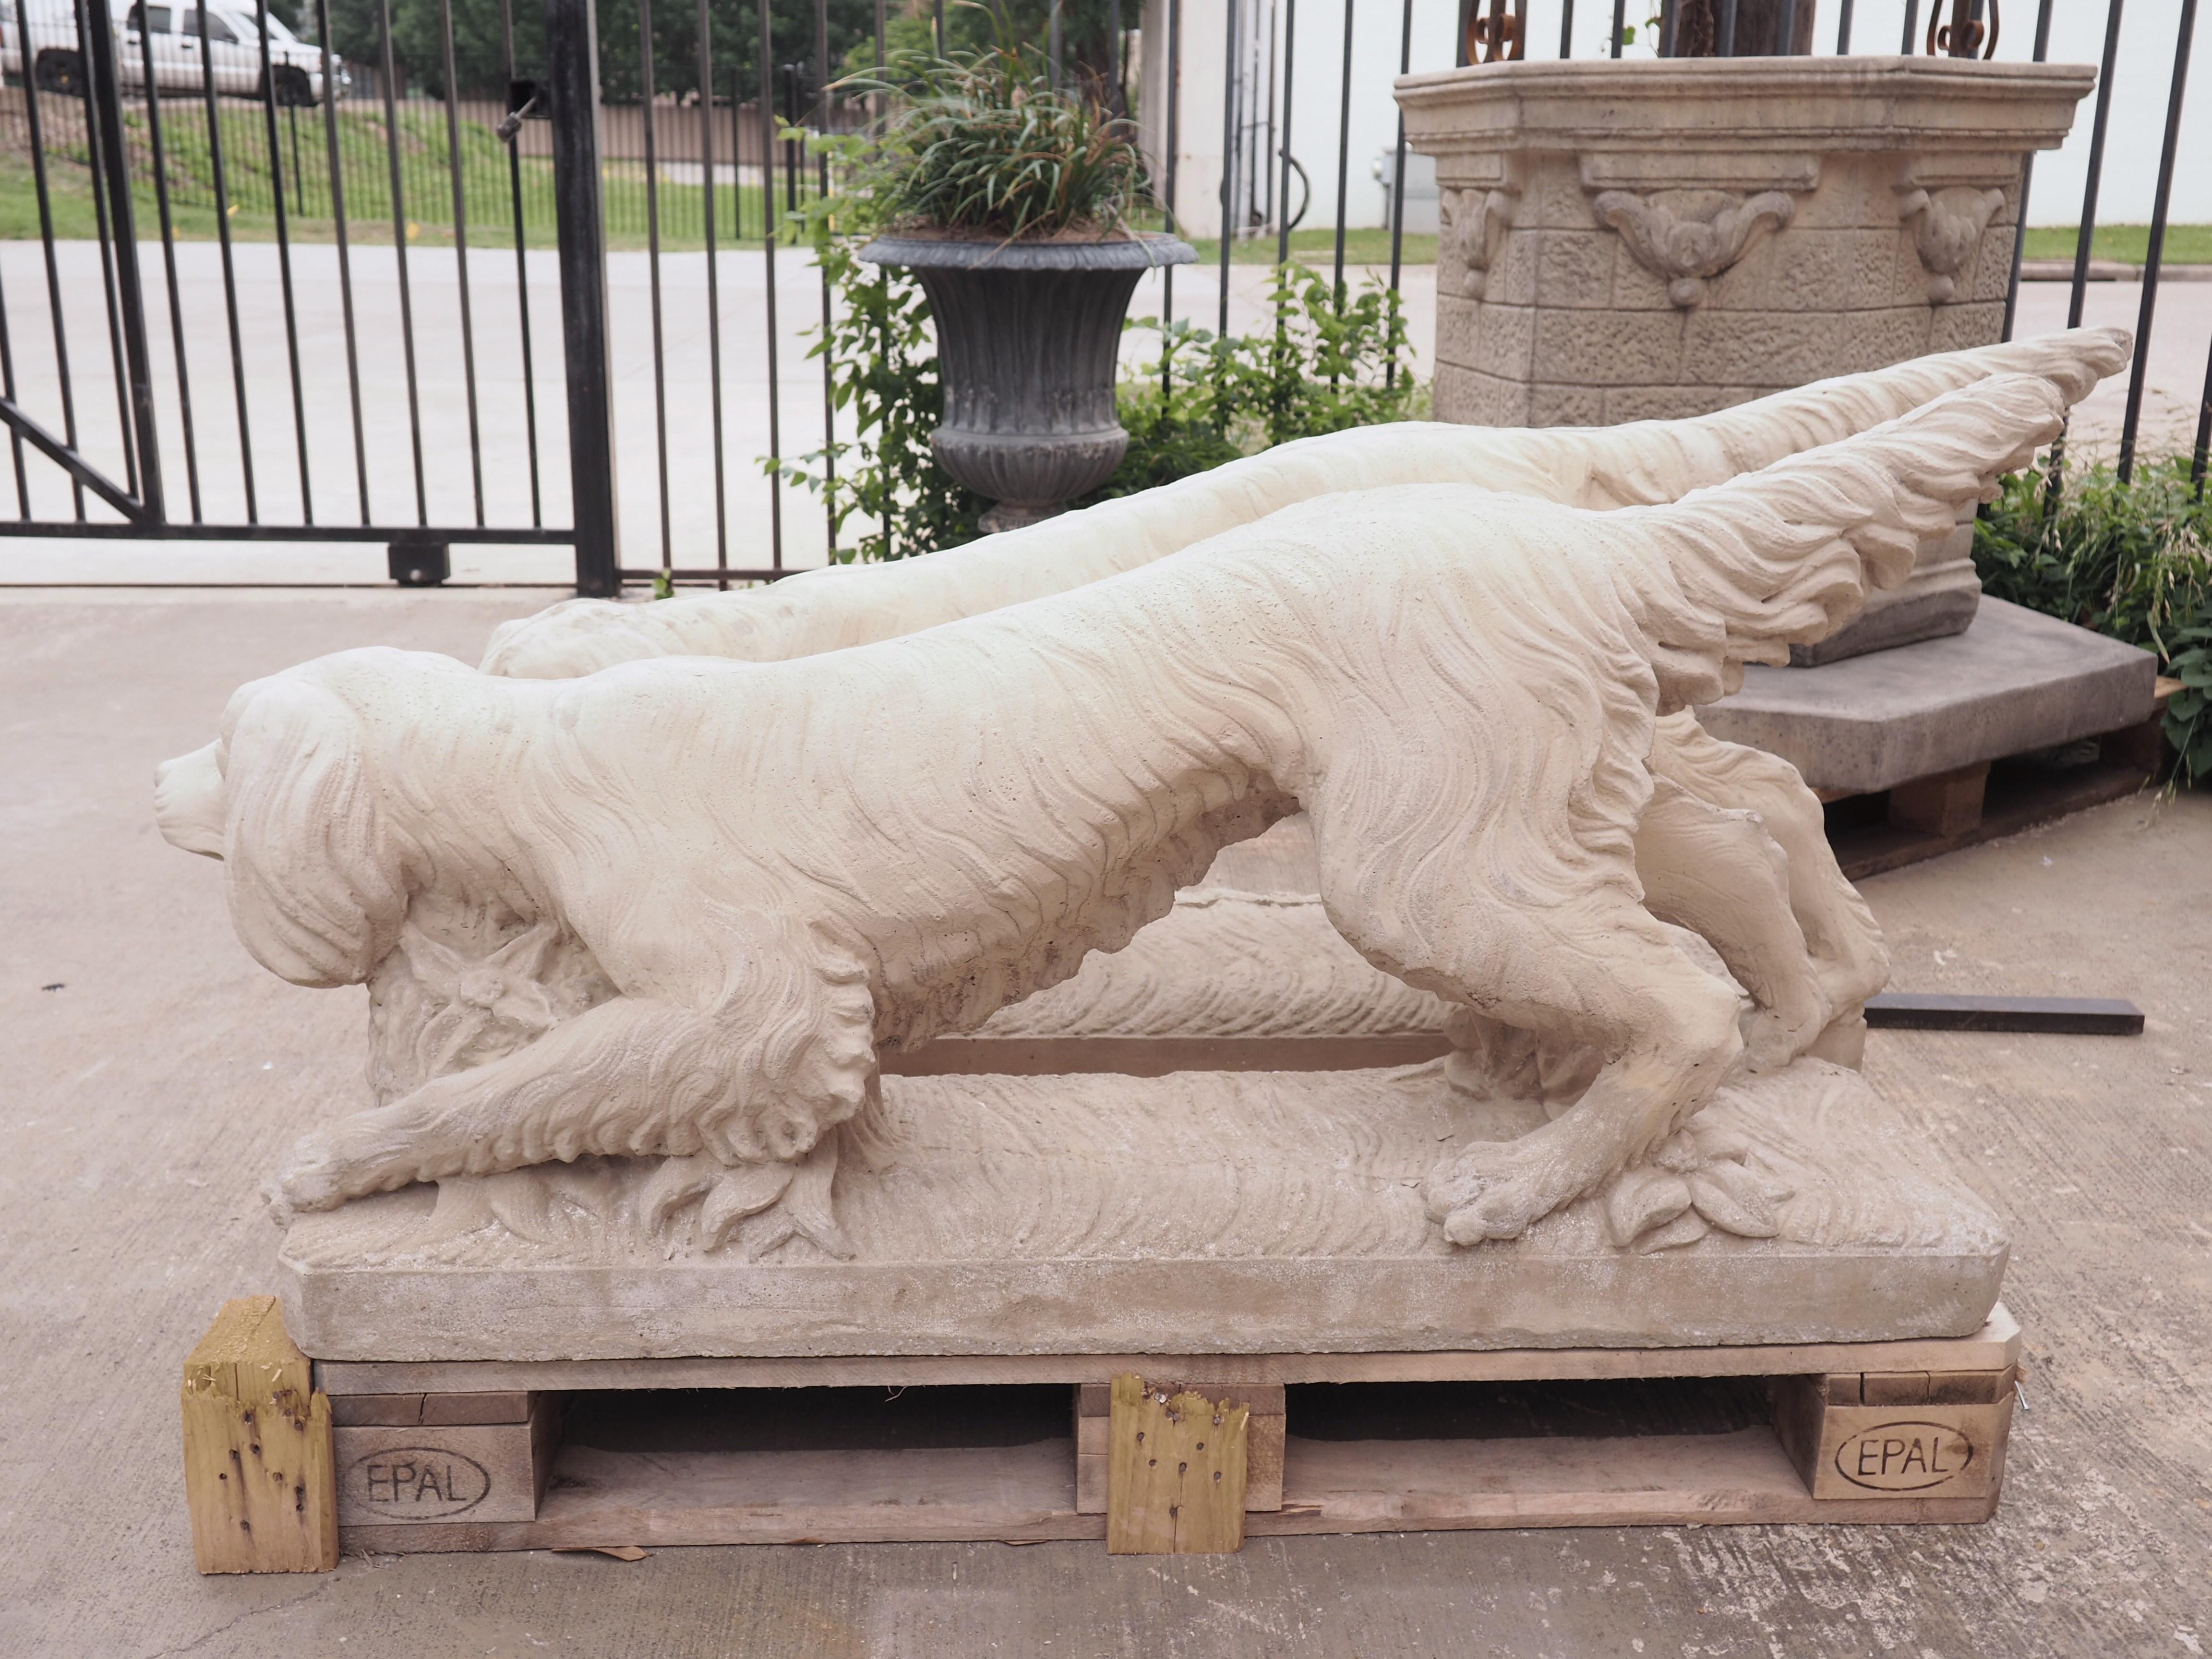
(571, 53)
(130, 293)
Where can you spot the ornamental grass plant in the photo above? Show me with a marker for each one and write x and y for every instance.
(984, 143)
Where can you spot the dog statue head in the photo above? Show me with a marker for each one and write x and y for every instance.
(285, 799)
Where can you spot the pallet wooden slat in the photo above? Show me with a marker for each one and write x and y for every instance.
(1175, 1471)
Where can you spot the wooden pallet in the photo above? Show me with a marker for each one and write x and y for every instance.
(473, 1455)
(1947, 811)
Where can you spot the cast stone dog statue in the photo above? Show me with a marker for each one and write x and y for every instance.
(780, 866)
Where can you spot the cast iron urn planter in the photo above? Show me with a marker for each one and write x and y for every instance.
(1027, 337)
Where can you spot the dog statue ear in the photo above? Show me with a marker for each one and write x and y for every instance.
(314, 879)
(189, 801)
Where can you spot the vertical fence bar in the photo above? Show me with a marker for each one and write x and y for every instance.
(1168, 198)
(1343, 155)
(336, 154)
(1398, 179)
(168, 263)
(572, 53)
(460, 253)
(2026, 183)
(1282, 149)
(2199, 449)
(399, 256)
(8, 391)
(34, 120)
(1566, 30)
(821, 124)
(1724, 33)
(2087, 233)
(284, 263)
(229, 267)
(706, 49)
(111, 180)
(1844, 28)
(652, 286)
(2184, 37)
(522, 271)
(1620, 19)
(1908, 46)
(1233, 9)
(767, 245)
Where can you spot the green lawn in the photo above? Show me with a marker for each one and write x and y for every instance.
(2185, 245)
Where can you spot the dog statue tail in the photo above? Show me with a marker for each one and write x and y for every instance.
(1742, 571)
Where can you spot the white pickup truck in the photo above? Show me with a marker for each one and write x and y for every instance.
(187, 47)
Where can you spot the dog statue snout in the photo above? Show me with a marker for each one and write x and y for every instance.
(189, 802)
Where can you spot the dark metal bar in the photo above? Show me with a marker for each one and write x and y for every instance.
(345, 254)
(495, 535)
(1168, 195)
(653, 279)
(2026, 183)
(2087, 231)
(1785, 43)
(1398, 175)
(169, 267)
(399, 254)
(1118, 93)
(1620, 20)
(768, 243)
(284, 263)
(1724, 34)
(1566, 32)
(1343, 151)
(2184, 37)
(46, 237)
(1282, 149)
(572, 52)
(126, 293)
(1895, 1011)
(1908, 45)
(8, 391)
(229, 268)
(460, 253)
(1844, 29)
(64, 454)
(821, 122)
(2199, 450)
(1669, 14)
(522, 271)
(1235, 10)
(714, 292)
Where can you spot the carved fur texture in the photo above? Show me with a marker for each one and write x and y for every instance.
(1459, 688)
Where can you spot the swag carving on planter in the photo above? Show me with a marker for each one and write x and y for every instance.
(1685, 237)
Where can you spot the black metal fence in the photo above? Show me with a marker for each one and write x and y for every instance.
(304, 197)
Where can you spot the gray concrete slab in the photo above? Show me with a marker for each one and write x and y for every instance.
(2014, 681)
(145, 1098)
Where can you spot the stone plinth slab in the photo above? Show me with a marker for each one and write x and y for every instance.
(2014, 681)
(1203, 1212)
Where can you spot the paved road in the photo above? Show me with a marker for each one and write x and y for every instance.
(2177, 366)
(148, 1096)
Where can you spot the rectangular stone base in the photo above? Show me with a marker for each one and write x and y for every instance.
(2015, 680)
(1196, 1214)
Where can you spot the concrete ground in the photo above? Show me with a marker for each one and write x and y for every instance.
(153, 1074)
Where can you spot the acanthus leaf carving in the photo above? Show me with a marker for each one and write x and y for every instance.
(1946, 227)
(1688, 238)
(1474, 222)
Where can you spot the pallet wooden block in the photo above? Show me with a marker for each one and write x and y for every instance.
(1175, 1462)
(1883, 1432)
(257, 1459)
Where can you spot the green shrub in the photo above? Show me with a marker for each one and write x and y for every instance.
(2130, 560)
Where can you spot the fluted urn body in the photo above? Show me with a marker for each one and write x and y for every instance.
(1027, 334)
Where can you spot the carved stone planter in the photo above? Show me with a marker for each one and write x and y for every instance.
(1633, 240)
(1027, 335)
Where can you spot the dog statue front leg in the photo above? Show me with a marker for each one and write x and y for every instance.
(632, 1076)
